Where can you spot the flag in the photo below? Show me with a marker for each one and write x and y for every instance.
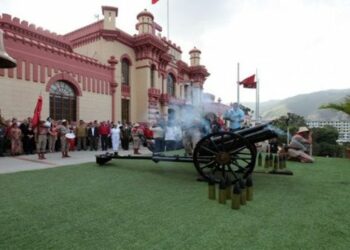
(154, 1)
(37, 112)
(249, 82)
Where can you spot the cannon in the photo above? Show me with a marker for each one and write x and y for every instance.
(221, 156)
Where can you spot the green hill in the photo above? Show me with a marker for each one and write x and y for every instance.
(306, 105)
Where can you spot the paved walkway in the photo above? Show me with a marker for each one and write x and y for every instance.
(31, 162)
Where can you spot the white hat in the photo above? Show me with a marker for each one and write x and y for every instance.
(64, 120)
(303, 129)
(136, 125)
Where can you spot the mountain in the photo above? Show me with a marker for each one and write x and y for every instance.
(306, 105)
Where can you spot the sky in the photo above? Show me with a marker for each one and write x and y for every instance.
(296, 47)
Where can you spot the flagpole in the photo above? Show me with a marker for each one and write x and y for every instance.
(167, 10)
(257, 109)
(238, 83)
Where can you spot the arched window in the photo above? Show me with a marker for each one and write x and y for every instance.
(125, 71)
(63, 101)
(153, 71)
(171, 85)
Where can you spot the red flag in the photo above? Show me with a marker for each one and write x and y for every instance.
(154, 1)
(37, 112)
(249, 82)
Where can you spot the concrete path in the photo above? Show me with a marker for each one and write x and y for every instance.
(31, 162)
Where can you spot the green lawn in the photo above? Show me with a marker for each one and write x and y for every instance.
(143, 205)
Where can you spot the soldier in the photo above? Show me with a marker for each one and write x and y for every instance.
(41, 132)
(64, 130)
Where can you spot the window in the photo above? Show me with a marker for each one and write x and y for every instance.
(153, 70)
(171, 85)
(63, 103)
(125, 71)
(125, 110)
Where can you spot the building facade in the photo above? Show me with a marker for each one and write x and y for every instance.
(343, 128)
(98, 72)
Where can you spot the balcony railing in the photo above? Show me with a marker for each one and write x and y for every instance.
(125, 90)
(154, 92)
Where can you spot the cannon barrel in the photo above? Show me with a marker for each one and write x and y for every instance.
(262, 135)
(247, 131)
(258, 133)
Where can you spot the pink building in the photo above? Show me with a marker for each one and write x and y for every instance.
(98, 71)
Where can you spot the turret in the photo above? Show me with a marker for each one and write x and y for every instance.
(145, 23)
(195, 57)
(110, 14)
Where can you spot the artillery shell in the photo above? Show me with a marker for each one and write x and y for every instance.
(222, 193)
(228, 190)
(259, 160)
(249, 184)
(243, 192)
(271, 160)
(275, 163)
(283, 162)
(211, 190)
(266, 163)
(280, 161)
(236, 197)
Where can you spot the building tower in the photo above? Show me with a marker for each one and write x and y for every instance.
(110, 14)
(197, 77)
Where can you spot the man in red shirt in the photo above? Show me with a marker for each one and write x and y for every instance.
(105, 132)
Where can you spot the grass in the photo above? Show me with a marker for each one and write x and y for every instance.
(143, 205)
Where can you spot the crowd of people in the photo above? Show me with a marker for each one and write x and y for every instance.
(21, 137)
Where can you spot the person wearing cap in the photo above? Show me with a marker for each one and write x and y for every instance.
(300, 145)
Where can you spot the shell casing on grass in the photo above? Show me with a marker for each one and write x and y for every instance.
(275, 162)
(222, 193)
(236, 197)
(228, 191)
(270, 160)
(266, 162)
(211, 190)
(243, 192)
(259, 160)
(249, 188)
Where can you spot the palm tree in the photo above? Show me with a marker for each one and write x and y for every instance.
(343, 106)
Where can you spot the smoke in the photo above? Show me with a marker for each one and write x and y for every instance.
(277, 130)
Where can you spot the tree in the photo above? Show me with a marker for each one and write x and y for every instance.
(343, 106)
(292, 121)
(325, 142)
(327, 134)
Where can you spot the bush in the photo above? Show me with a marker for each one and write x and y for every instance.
(327, 149)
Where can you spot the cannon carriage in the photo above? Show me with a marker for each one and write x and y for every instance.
(221, 156)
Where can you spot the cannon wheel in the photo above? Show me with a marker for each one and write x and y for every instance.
(224, 156)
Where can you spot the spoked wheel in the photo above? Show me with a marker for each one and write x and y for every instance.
(224, 156)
